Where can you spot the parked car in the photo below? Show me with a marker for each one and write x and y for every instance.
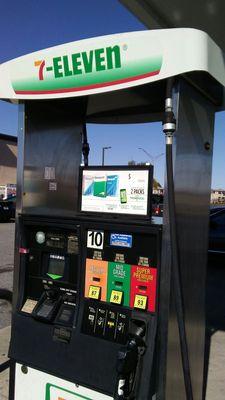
(215, 209)
(217, 231)
(157, 205)
(12, 204)
(5, 211)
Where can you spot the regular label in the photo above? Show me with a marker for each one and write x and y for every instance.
(94, 292)
(95, 239)
(96, 275)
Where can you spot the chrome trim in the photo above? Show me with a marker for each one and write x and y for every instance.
(216, 251)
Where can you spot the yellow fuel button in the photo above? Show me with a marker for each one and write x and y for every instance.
(140, 302)
(94, 292)
(116, 297)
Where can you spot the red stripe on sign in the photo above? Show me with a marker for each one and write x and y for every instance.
(41, 70)
(94, 86)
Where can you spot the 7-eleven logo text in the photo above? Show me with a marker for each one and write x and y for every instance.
(41, 65)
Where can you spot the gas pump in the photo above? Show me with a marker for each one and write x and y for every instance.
(109, 301)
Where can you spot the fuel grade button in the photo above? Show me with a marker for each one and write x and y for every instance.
(110, 325)
(140, 302)
(116, 297)
(94, 292)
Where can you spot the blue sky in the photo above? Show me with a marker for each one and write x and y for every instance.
(29, 25)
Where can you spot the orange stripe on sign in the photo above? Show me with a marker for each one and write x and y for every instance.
(37, 63)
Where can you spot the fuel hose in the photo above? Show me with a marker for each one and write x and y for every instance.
(6, 294)
(85, 146)
(169, 127)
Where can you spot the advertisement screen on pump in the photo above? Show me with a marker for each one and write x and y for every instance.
(121, 191)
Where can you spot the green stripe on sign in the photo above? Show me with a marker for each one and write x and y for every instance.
(97, 77)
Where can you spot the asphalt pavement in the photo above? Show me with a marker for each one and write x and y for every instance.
(7, 232)
(215, 318)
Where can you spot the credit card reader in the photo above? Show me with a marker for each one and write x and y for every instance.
(51, 261)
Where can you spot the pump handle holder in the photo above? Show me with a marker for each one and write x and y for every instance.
(127, 361)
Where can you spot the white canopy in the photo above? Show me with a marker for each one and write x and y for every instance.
(206, 15)
(109, 63)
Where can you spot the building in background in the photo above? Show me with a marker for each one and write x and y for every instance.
(218, 196)
(8, 163)
(158, 190)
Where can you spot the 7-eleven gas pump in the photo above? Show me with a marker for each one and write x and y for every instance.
(108, 301)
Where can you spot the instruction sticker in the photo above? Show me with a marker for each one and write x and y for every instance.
(49, 173)
(120, 240)
(29, 306)
(52, 186)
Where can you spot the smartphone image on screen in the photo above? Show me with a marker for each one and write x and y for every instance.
(123, 196)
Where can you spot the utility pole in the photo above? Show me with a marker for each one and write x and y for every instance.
(103, 153)
(152, 158)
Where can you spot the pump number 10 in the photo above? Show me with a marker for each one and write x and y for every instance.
(95, 239)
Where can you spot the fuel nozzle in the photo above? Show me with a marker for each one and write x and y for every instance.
(137, 332)
(52, 294)
(127, 361)
(85, 151)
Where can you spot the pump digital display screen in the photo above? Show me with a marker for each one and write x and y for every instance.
(124, 190)
(56, 265)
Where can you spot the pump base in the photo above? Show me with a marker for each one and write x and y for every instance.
(31, 383)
